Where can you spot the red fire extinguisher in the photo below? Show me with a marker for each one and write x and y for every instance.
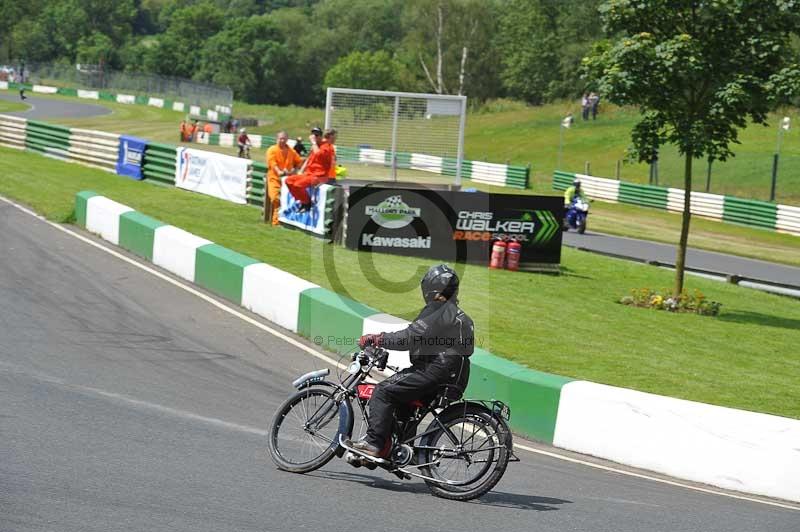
(498, 255)
(512, 255)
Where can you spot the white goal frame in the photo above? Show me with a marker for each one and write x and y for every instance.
(460, 101)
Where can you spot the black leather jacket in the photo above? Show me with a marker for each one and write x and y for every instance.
(440, 330)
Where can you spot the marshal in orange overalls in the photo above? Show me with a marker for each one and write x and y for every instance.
(321, 168)
(285, 159)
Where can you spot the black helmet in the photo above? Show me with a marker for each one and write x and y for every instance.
(440, 280)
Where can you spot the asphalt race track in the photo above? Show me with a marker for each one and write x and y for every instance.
(52, 108)
(645, 250)
(127, 403)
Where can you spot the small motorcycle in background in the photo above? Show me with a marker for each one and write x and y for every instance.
(576, 215)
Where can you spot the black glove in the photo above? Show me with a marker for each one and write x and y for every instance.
(370, 339)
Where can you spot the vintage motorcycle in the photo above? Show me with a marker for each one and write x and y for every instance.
(460, 448)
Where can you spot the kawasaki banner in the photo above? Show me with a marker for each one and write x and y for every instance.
(221, 176)
(453, 226)
(129, 160)
(318, 219)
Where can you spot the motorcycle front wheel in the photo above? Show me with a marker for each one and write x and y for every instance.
(304, 431)
(468, 455)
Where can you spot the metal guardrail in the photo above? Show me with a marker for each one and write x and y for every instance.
(752, 213)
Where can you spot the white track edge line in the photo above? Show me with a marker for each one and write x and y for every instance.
(320, 356)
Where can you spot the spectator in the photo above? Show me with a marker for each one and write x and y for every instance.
(228, 126)
(585, 106)
(193, 131)
(319, 168)
(208, 128)
(594, 100)
(282, 161)
(235, 125)
(299, 147)
(183, 129)
(244, 143)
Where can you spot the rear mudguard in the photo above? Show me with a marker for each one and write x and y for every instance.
(346, 418)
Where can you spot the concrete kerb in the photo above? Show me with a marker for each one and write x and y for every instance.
(659, 433)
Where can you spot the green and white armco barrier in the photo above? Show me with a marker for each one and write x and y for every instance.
(502, 175)
(219, 113)
(753, 213)
(91, 148)
(732, 449)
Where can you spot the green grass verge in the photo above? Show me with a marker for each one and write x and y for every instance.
(507, 129)
(10, 107)
(568, 324)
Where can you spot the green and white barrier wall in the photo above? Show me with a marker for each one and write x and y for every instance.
(502, 175)
(733, 449)
(753, 213)
(92, 148)
(219, 113)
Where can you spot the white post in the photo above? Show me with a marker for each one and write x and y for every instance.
(394, 136)
(460, 154)
(328, 101)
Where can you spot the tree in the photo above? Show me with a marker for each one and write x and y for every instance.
(249, 57)
(698, 71)
(95, 49)
(366, 70)
(446, 38)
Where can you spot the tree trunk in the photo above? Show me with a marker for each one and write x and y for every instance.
(439, 59)
(680, 259)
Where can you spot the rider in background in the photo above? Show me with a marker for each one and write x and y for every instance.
(243, 141)
(574, 191)
(440, 340)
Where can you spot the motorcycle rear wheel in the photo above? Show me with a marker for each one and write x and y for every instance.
(304, 433)
(481, 462)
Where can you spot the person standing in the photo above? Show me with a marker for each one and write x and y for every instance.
(282, 161)
(319, 168)
(594, 101)
(585, 106)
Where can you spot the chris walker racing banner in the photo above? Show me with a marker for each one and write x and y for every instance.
(221, 176)
(453, 226)
(318, 219)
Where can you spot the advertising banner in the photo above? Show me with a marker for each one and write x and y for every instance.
(453, 226)
(318, 219)
(221, 176)
(131, 155)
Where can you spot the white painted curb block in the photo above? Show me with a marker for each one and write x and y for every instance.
(126, 98)
(155, 102)
(178, 106)
(194, 110)
(273, 294)
(44, 89)
(724, 447)
(175, 250)
(378, 323)
(368, 155)
(102, 217)
(91, 95)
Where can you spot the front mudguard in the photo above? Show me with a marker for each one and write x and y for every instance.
(346, 418)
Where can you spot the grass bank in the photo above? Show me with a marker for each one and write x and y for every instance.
(10, 107)
(568, 324)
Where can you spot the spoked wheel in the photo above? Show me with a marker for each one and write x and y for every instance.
(468, 455)
(304, 432)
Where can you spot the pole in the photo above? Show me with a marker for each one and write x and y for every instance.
(460, 152)
(775, 164)
(394, 137)
(619, 163)
(708, 176)
(560, 145)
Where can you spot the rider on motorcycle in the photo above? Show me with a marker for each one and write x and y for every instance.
(243, 141)
(574, 191)
(440, 340)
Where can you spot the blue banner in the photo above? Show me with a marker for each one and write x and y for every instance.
(131, 155)
(318, 219)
